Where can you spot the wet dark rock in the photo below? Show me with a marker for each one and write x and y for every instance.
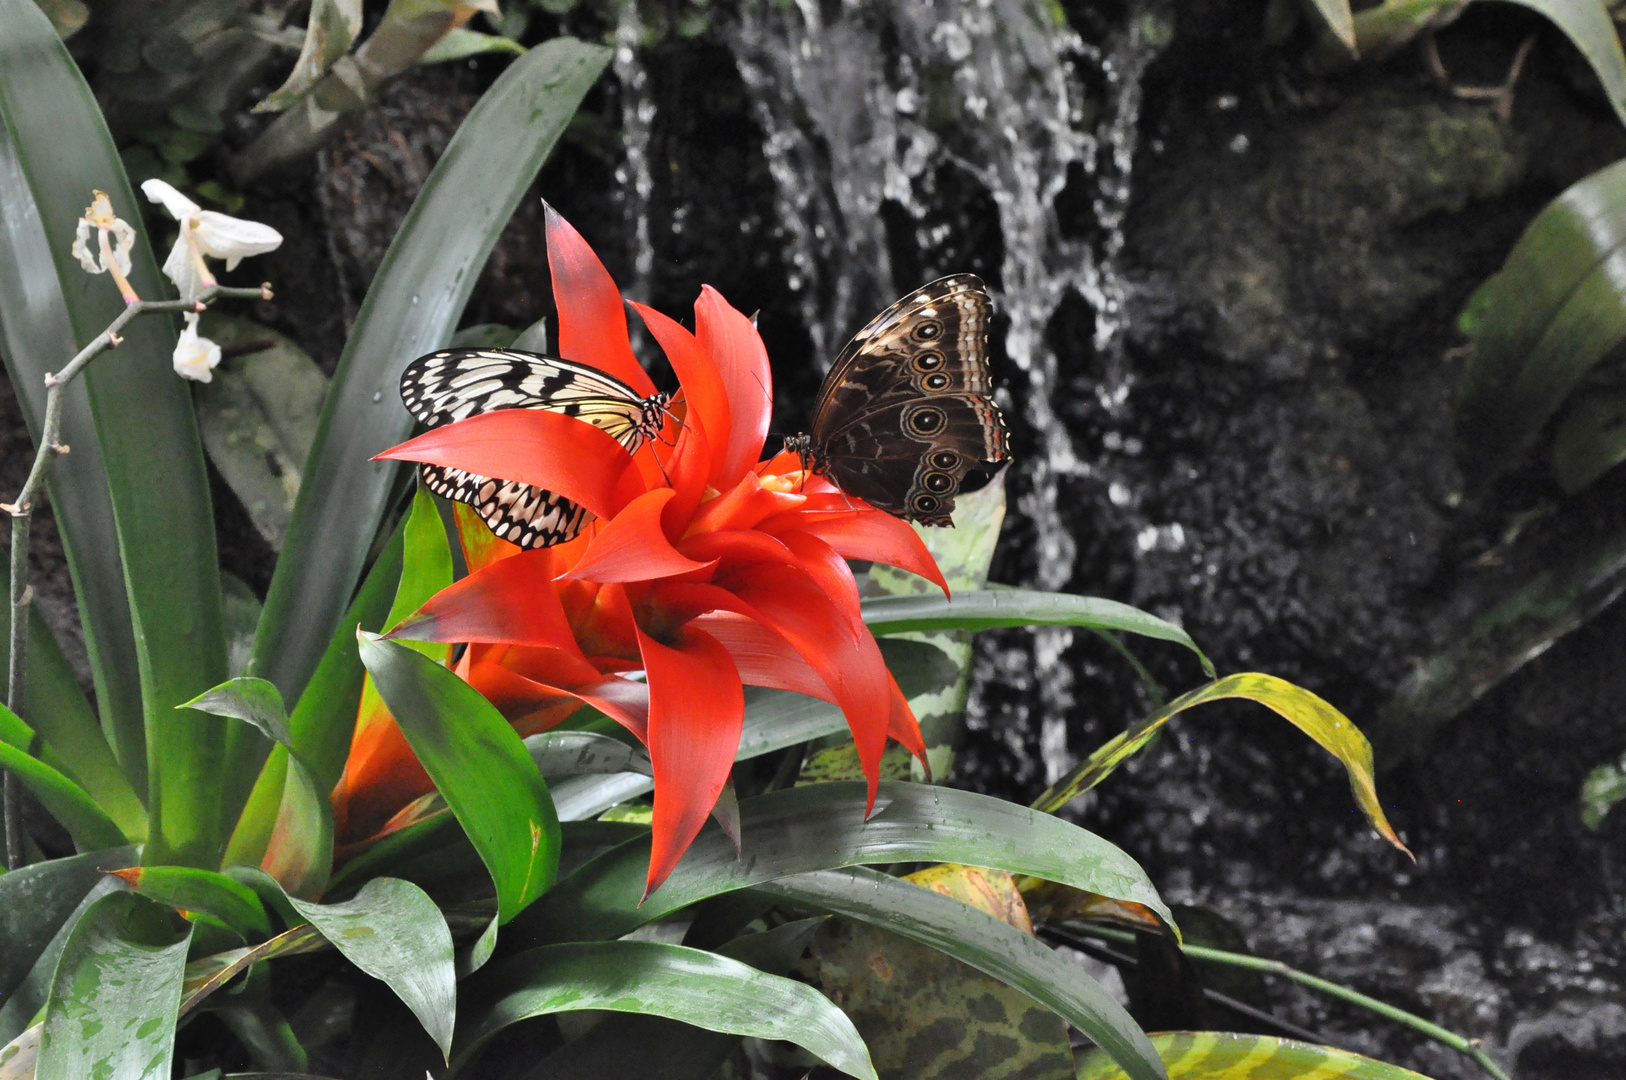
(1300, 241)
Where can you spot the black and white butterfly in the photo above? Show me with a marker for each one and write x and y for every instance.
(906, 419)
(453, 384)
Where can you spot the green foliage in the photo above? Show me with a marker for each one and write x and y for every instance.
(1550, 316)
(412, 308)
(651, 979)
(116, 995)
(395, 933)
(478, 764)
(1212, 1055)
(227, 781)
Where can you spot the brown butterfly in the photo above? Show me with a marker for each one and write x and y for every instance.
(905, 419)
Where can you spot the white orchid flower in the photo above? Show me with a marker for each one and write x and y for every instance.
(205, 233)
(195, 356)
(115, 237)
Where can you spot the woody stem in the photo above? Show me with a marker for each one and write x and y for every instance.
(22, 513)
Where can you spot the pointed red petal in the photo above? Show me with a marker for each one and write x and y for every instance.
(513, 600)
(763, 657)
(381, 773)
(742, 506)
(689, 466)
(696, 371)
(535, 706)
(737, 547)
(742, 363)
(545, 449)
(870, 535)
(831, 640)
(696, 713)
(632, 546)
(830, 570)
(592, 322)
(529, 705)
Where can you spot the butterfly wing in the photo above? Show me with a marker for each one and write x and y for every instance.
(453, 384)
(906, 419)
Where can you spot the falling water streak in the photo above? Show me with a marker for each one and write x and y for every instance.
(846, 132)
(826, 142)
(635, 183)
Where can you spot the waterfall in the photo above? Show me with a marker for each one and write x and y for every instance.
(634, 183)
(874, 114)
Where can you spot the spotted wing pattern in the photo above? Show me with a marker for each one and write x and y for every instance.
(906, 418)
(454, 384)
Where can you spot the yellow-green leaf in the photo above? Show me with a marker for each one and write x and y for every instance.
(1214, 1055)
(1331, 730)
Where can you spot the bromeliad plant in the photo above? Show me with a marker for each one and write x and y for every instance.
(414, 772)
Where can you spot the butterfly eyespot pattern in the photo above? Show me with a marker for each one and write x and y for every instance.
(453, 384)
(906, 419)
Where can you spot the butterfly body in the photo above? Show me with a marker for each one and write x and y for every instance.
(906, 420)
(453, 384)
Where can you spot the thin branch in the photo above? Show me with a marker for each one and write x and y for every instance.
(1468, 1047)
(22, 512)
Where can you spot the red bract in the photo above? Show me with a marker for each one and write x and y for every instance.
(707, 568)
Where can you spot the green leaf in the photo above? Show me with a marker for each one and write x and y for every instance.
(299, 848)
(208, 974)
(1215, 1055)
(1339, 19)
(167, 544)
(634, 1047)
(257, 417)
(116, 995)
(698, 988)
(1601, 790)
(36, 900)
(578, 753)
(329, 30)
(69, 803)
(266, 1034)
(991, 608)
(253, 701)
(925, 1014)
(412, 308)
(299, 853)
(56, 708)
(232, 903)
(324, 721)
(393, 932)
(933, 668)
(22, 1006)
(1588, 23)
(1590, 440)
(990, 946)
(478, 764)
(822, 827)
(1550, 315)
(426, 569)
(462, 43)
(1330, 728)
(36, 336)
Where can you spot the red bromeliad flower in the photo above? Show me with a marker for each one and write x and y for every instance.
(706, 569)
